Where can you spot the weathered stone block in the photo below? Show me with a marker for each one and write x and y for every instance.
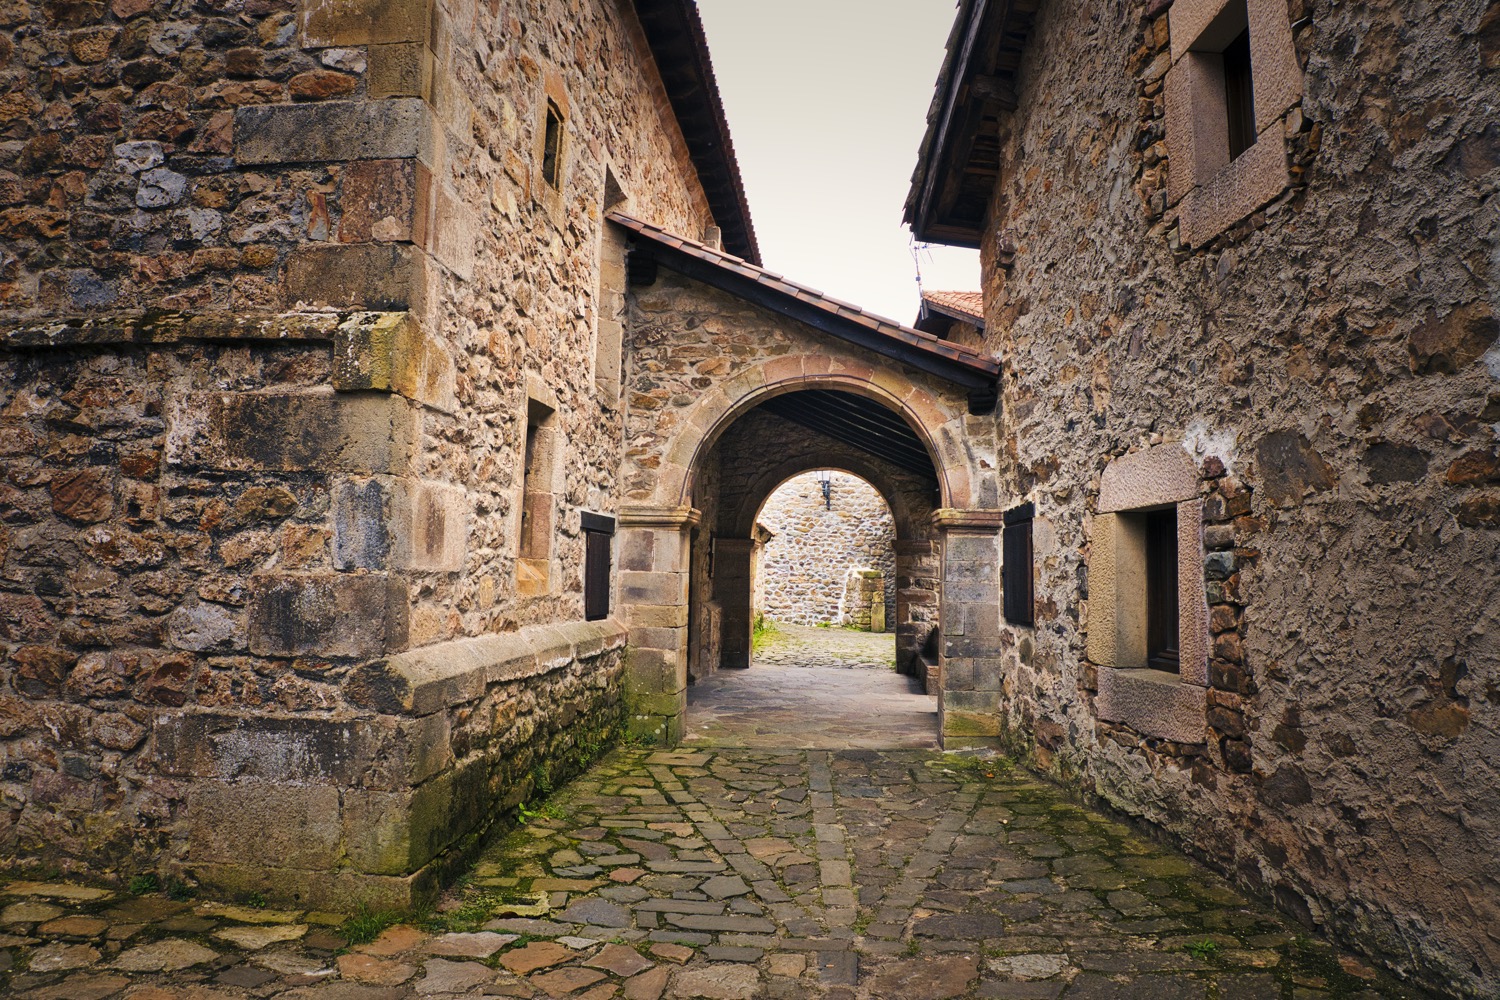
(327, 615)
(333, 131)
(324, 23)
(267, 748)
(1154, 703)
(385, 523)
(381, 200)
(292, 432)
(275, 824)
(399, 69)
(390, 352)
(357, 276)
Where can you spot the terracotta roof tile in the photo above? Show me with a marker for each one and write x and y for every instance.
(968, 303)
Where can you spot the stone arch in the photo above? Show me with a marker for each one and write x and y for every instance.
(936, 420)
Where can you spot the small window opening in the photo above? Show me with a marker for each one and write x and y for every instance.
(1239, 94)
(552, 148)
(1016, 566)
(1161, 590)
(536, 502)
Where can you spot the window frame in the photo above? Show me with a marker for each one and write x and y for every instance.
(1153, 702)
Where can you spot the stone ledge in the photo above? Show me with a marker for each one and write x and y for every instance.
(172, 328)
(431, 679)
(1154, 703)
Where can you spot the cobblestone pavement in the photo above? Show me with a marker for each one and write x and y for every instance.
(731, 874)
(814, 688)
(809, 646)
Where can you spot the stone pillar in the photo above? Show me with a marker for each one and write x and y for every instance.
(969, 619)
(732, 584)
(917, 572)
(655, 553)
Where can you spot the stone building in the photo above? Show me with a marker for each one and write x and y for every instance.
(354, 486)
(817, 545)
(311, 418)
(1240, 269)
(388, 389)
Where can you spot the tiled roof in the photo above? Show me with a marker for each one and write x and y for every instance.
(874, 331)
(967, 304)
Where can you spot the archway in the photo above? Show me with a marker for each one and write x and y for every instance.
(715, 346)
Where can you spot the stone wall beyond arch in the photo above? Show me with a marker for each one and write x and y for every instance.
(815, 544)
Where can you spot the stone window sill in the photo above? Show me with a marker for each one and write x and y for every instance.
(1153, 703)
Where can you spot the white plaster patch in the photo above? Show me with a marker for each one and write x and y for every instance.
(1203, 442)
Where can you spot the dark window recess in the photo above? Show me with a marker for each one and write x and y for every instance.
(597, 533)
(552, 148)
(1161, 590)
(1016, 566)
(1239, 93)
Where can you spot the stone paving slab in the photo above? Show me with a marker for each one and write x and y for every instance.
(958, 877)
(814, 688)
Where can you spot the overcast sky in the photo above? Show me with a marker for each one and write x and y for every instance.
(827, 102)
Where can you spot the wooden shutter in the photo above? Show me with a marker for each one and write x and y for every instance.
(598, 531)
(1016, 564)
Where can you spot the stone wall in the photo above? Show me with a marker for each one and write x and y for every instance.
(1328, 365)
(282, 283)
(805, 566)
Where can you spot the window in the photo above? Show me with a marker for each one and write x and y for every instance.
(1161, 589)
(534, 566)
(598, 531)
(1016, 564)
(1234, 77)
(1147, 606)
(552, 150)
(1239, 94)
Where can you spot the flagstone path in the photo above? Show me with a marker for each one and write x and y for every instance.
(730, 873)
(814, 688)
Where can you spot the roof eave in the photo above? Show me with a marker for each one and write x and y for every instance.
(674, 31)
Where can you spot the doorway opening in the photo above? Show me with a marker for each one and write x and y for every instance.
(814, 586)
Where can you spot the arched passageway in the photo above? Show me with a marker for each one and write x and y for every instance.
(737, 380)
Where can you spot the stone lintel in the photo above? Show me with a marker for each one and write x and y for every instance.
(1159, 475)
(968, 521)
(435, 678)
(644, 516)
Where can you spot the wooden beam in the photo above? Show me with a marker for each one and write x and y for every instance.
(995, 91)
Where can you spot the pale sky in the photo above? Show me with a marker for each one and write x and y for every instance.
(827, 103)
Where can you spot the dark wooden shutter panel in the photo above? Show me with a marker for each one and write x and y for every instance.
(1016, 565)
(596, 574)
